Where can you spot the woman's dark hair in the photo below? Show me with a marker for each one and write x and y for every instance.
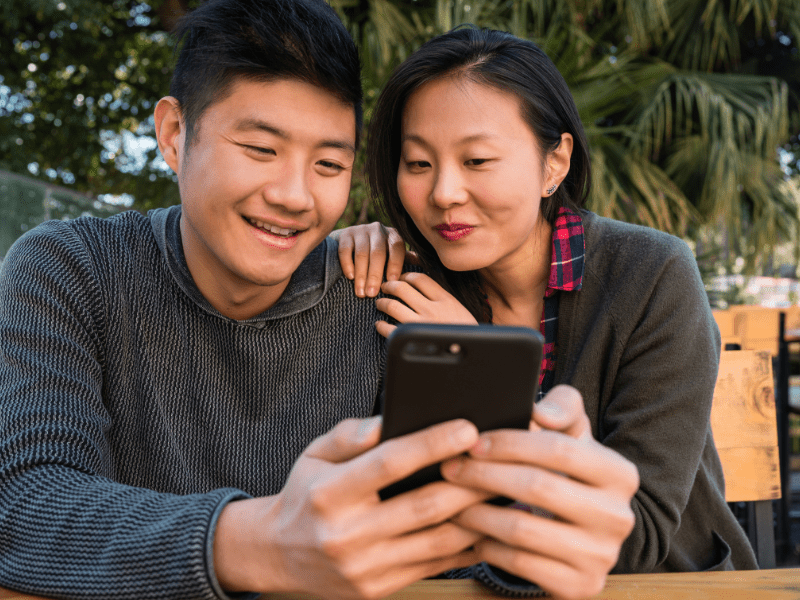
(506, 63)
(262, 40)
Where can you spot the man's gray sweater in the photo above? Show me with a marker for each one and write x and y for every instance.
(131, 411)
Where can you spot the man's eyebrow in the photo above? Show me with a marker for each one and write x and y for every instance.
(250, 124)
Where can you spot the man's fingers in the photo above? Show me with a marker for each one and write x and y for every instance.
(570, 500)
(562, 410)
(397, 458)
(421, 508)
(556, 577)
(583, 460)
(347, 440)
(432, 543)
(536, 534)
(397, 578)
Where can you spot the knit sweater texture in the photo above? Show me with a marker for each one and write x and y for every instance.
(131, 411)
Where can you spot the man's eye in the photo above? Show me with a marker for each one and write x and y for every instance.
(261, 151)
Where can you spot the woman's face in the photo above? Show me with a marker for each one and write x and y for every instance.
(471, 174)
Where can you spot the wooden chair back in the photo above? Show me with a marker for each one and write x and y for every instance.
(744, 425)
(757, 327)
(724, 319)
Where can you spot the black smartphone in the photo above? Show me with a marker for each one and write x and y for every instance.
(487, 374)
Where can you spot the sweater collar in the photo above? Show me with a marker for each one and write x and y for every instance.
(308, 285)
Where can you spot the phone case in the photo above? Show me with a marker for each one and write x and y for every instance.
(487, 374)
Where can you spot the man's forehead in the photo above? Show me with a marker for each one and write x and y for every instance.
(281, 106)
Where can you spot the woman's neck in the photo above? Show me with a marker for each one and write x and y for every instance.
(515, 286)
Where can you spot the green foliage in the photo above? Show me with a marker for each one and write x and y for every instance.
(81, 80)
(683, 123)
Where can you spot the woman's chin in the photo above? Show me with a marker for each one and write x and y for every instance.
(461, 264)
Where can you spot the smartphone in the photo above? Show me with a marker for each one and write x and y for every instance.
(487, 374)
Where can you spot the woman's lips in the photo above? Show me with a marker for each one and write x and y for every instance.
(453, 231)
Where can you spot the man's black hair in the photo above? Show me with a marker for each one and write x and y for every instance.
(262, 40)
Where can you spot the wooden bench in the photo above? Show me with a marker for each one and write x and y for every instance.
(745, 433)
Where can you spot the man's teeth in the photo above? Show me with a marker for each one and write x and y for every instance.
(273, 228)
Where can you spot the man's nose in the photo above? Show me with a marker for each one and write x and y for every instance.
(290, 190)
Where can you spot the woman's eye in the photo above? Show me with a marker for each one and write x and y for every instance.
(418, 164)
(476, 162)
(331, 167)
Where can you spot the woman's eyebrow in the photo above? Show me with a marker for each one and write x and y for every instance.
(475, 137)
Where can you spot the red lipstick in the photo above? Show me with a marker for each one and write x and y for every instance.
(454, 231)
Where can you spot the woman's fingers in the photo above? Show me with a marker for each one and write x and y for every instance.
(418, 298)
(384, 328)
(397, 256)
(365, 251)
(407, 293)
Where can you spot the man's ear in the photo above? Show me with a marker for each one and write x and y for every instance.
(170, 131)
(558, 162)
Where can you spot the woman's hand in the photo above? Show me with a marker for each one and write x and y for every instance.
(556, 466)
(419, 300)
(362, 254)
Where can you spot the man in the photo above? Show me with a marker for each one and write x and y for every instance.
(180, 390)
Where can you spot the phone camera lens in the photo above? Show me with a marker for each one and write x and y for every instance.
(430, 349)
(412, 348)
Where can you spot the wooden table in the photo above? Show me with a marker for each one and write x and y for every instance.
(774, 584)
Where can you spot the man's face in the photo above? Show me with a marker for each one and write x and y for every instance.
(264, 180)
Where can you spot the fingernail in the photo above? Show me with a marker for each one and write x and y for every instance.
(372, 290)
(360, 292)
(551, 411)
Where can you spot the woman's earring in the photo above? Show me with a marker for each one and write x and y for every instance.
(552, 189)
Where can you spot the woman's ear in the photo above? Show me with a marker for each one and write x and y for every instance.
(558, 162)
(170, 131)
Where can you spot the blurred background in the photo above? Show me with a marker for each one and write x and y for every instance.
(691, 109)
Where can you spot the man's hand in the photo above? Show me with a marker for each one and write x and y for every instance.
(362, 254)
(419, 299)
(328, 533)
(556, 466)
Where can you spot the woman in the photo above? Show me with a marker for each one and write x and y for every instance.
(479, 158)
